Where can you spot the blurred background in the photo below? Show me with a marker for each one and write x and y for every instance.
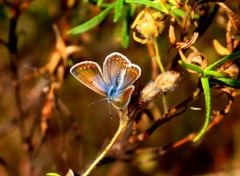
(46, 122)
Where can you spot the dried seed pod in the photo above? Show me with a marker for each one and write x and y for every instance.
(167, 81)
(164, 82)
(149, 92)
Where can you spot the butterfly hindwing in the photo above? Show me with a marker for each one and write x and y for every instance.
(133, 72)
(122, 99)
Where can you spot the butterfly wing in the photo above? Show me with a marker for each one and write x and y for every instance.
(113, 67)
(89, 73)
(133, 72)
(122, 99)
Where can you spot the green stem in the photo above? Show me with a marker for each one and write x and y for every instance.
(158, 58)
(93, 165)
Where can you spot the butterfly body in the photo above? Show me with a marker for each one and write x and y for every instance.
(114, 88)
(114, 82)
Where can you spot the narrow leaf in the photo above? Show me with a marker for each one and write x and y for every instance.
(118, 10)
(215, 74)
(179, 12)
(191, 67)
(150, 4)
(206, 90)
(125, 34)
(52, 174)
(91, 23)
(222, 61)
(227, 82)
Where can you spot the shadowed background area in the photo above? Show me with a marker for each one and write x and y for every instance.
(48, 122)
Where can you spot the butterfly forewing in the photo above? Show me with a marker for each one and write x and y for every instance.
(122, 99)
(113, 66)
(89, 74)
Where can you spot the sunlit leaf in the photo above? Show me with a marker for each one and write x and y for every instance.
(118, 10)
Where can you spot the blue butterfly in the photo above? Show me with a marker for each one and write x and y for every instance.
(114, 81)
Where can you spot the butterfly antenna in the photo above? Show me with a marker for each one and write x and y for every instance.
(110, 110)
(109, 105)
(97, 101)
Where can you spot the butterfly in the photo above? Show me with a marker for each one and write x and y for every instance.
(115, 81)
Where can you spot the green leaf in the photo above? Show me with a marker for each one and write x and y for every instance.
(179, 12)
(222, 61)
(215, 74)
(125, 34)
(99, 2)
(118, 10)
(52, 174)
(93, 22)
(150, 4)
(206, 90)
(132, 9)
(191, 67)
(227, 82)
(176, 11)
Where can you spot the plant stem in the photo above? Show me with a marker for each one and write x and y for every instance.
(160, 65)
(92, 166)
(158, 58)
